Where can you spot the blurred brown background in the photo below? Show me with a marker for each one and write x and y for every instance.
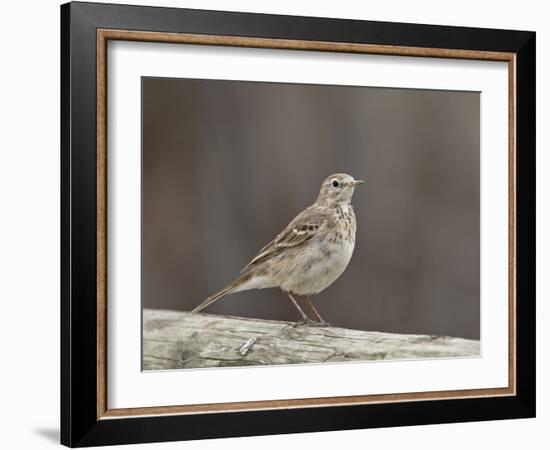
(227, 164)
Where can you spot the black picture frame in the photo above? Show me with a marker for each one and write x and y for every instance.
(80, 425)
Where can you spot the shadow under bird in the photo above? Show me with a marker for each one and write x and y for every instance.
(309, 254)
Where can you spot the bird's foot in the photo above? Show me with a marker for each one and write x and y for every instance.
(302, 322)
(322, 323)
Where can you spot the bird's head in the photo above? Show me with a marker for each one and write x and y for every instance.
(337, 188)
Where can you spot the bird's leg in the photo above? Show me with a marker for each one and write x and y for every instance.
(319, 318)
(305, 318)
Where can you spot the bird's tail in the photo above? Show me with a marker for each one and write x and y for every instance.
(214, 297)
(226, 290)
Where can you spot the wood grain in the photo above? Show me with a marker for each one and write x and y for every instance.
(101, 223)
(179, 340)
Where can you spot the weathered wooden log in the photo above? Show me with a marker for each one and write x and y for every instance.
(177, 340)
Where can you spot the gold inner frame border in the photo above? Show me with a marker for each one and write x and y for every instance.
(104, 35)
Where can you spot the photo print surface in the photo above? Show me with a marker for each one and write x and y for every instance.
(227, 166)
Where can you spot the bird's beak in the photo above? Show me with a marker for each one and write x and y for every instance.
(356, 182)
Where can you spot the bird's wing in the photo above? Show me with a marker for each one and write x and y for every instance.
(305, 226)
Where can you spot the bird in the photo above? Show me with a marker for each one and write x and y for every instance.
(309, 254)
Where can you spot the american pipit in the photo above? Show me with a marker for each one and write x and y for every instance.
(309, 254)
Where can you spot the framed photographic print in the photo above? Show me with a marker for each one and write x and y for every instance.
(276, 224)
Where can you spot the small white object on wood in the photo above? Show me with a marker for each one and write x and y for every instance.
(178, 340)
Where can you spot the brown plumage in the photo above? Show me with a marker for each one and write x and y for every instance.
(309, 254)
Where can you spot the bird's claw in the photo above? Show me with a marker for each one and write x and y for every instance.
(311, 323)
(303, 322)
(322, 323)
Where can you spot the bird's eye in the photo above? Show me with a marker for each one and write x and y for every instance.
(335, 183)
